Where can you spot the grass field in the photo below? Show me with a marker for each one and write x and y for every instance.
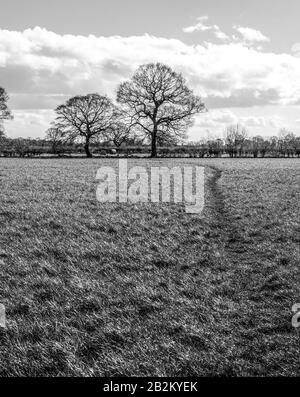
(97, 289)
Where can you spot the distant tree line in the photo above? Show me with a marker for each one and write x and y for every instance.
(151, 116)
(286, 144)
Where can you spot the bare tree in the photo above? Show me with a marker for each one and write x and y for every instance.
(235, 137)
(158, 101)
(85, 117)
(120, 130)
(291, 144)
(166, 139)
(5, 113)
(117, 135)
(215, 147)
(288, 141)
(56, 137)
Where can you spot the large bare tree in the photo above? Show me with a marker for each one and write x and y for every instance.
(85, 117)
(5, 113)
(158, 101)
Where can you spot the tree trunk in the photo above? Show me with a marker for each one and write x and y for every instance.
(153, 143)
(87, 148)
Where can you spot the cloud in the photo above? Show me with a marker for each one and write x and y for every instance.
(253, 121)
(198, 27)
(251, 35)
(29, 122)
(215, 123)
(221, 118)
(221, 35)
(202, 27)
(276, 122)
(49, 66)
(41, 69)
(247, 35)
(244, 97)
(216, 119)
(296, 49)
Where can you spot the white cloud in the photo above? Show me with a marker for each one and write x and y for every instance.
(296, 49)
(202, 27)
(40, 69)
(247, 35)
(45, 64)
(198, 27)
(222, 117)
(30, 123)
(221, 35)
(276, 122)
(253, 121)
(251, 35)
(216, 119)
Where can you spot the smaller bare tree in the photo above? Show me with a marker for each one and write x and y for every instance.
(235, 137)
(121, 129)
(56, 137)
(86, 117)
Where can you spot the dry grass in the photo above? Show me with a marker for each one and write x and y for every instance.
(110, 289)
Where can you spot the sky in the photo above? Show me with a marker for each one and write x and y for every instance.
(242, 57)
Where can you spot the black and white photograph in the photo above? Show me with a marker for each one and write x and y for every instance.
(149, 191)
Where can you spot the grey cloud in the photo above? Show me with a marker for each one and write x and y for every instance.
(25, 79)
(35, 101)
(17, 78)
(113, 67)
(247, 97)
